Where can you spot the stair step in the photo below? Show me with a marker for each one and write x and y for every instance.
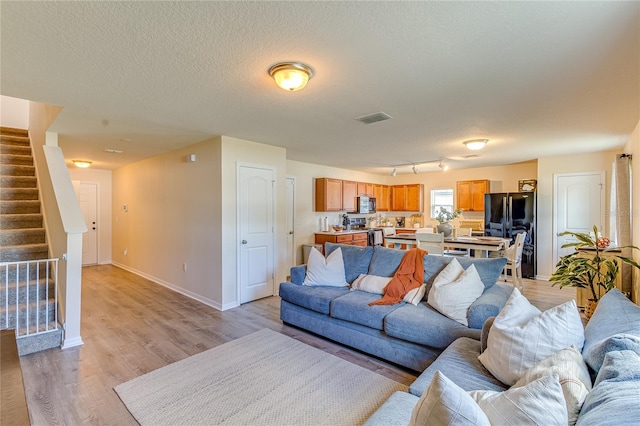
(19, 194)
(15, 140)
(19, 207)
(40, 289)
(12, 131)
(40, 342)
(18, 237)
(17, 170)
(20, 221)
(37, 269)
(21, 160)
(19, 316)
(15, 149)
(24, 252)
(18, 182)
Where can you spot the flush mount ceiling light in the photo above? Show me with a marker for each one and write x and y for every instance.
(443, 166)
(475, 144)
(83, 164)
(393, 172)
(291, 76)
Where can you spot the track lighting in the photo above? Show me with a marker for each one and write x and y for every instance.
(415, 170)
(393, 172)
(443, 166)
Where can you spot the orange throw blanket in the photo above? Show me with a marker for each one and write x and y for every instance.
(409, 275)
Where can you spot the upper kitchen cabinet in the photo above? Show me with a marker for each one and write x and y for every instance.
(366, 189)
(406, 198)
(470, 195)
(381, 193)
(334, 195)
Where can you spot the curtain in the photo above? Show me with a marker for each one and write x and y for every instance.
(621, 212)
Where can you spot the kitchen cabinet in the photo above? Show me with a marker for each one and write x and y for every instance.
(470, 195)
(334, 195)
(366, 189)
(381, 193)
(406, 198)
(353, 238)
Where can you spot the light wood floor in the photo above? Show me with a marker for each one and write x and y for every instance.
(131, 326)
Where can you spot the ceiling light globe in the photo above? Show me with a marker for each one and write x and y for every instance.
(82, 163)
(475, 144)
(291, 76)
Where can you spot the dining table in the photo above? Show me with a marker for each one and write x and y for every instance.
(481, 246)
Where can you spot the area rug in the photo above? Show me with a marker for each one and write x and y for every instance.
(264, 378)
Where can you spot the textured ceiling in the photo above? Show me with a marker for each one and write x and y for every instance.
(535, 78)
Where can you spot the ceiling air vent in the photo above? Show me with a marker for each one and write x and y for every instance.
(374, 118)
(471, 156)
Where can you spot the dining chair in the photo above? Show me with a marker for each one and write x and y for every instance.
(514, 260)
(432, 243)
(387, 230)
(461, 232)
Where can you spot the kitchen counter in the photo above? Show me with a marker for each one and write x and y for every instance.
(353, 231)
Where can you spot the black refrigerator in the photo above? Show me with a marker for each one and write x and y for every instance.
(507, 214)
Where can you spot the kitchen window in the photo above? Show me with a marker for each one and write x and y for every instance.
(441, 198)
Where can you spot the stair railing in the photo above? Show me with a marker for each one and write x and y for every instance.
(25, 281)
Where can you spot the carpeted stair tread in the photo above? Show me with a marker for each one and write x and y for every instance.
(41, 289)
(19, 194)
(13, 131)
(19, 206)
(19, 315)
(21, 221)
(24, 252)
(18, 160)
(15, 149)
(18, 182)
(14, 237)
(17, 170)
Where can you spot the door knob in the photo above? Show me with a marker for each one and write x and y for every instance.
(290, 232)
(244, 241)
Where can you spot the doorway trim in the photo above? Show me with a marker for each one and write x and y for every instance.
(293, 218)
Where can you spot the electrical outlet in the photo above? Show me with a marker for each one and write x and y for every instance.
(125, 208)
(184, 267)
(125, 252)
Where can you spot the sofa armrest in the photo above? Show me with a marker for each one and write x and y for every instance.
(298, 273)
(489, 304)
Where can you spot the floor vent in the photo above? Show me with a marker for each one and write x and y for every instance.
(374, 118)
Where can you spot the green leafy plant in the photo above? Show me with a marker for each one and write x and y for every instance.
(445, 215)
(595, 271)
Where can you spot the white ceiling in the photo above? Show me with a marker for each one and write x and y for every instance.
(535, 78)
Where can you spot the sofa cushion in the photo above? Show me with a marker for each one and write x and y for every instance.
(424, 325)
(396, 411)
(317, 299)
(616, 392)
(522, 336)
(356, 259)
(459, 362)
(489, 270)
(615, 314)
(617, 342)
(385, 261)
(445, 403)
(489, 304)
(354, 307)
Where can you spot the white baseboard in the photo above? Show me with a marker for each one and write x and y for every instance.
(542, 277)
(71, 343)
(178, 289)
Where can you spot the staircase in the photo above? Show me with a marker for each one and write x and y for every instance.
(28, 300)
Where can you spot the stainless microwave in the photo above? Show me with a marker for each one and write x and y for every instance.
(366, 204)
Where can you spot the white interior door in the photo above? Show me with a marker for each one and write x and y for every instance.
(256, 232)
(88, 198)
(579, 204)
(291, 209)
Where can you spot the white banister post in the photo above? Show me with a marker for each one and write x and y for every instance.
(73, 294)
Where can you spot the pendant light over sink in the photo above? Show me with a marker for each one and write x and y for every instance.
(291, 76)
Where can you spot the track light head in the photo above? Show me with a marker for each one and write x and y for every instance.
(415, 170)
(393, 172)
(443, 166)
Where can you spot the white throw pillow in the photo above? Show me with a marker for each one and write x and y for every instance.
(538, 403)
(453, 297)
(572, 373)
(445, 403)
(325, 272)
(522, 336)
(370, 283)
(376, 284)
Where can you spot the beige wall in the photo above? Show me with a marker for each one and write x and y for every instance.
(173, 218)
(548, 167)
(14, 112)
(633, 147)
(102, 178)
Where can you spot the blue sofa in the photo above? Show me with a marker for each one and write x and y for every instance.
(408, 335)
(611, 337)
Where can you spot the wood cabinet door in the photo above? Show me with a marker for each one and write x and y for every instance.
(328, 195)
(463, 196)
(398, 198)
(414, 198)
(381, 193)
(478, 189)
(349, 194)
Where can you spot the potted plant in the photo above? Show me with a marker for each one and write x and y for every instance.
(595, 272)
(443, 216)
